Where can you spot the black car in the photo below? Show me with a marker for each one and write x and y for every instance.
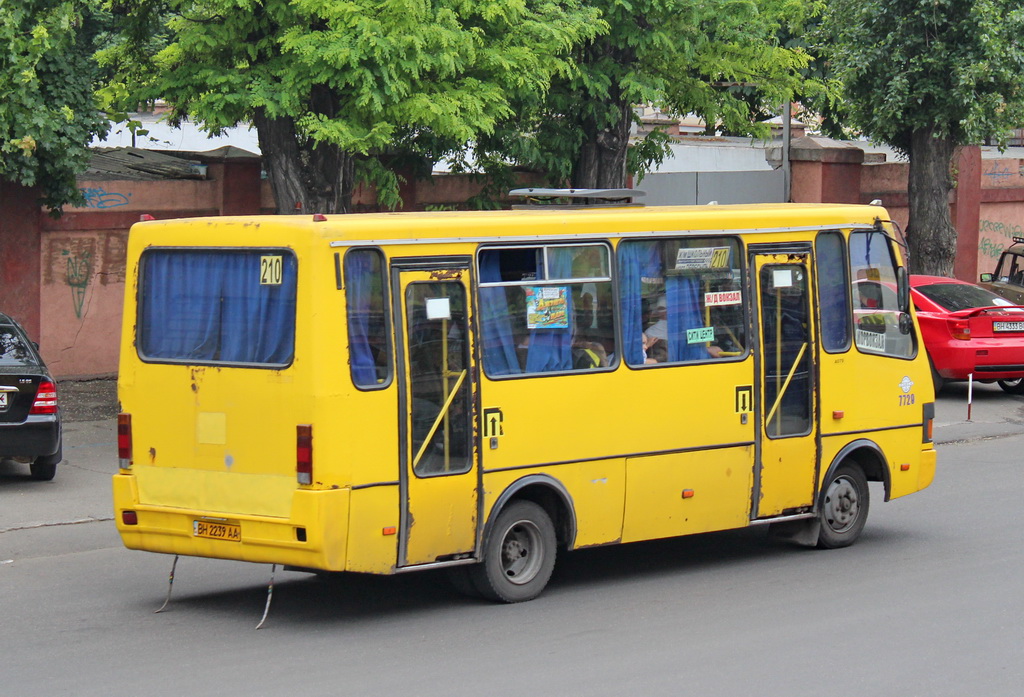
(30, 427)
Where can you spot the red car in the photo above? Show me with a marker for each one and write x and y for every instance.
(968, 329)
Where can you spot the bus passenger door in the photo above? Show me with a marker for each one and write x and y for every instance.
(786, 474)
(436, 384)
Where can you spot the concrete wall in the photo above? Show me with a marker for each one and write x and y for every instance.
(700, 188)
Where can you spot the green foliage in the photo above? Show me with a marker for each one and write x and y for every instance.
(373, 78)
(955, 66)
(721, 59)
(48, 114)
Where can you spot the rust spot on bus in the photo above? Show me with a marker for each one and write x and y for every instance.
(446, 275)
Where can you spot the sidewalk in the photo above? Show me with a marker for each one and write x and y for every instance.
(993, 413)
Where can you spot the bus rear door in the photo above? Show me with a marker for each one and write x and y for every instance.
(439, 476)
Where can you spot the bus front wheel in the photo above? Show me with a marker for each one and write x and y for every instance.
(519, 554)
(844, 507)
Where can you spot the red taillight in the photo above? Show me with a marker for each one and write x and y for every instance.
(960, 328)
(124, 441)
(304, 453)
(46, 399)
(129, 517)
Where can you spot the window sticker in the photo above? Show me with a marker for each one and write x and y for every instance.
(547, 307)
(700, 335)
(870, 340)
(726, 297)
(782, 278)
(271, 270)
(439, 308)
(702, 258)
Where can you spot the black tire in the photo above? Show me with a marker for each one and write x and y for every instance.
(519, 554)
(1012, 386)
(843, 509)
(937, 379)
(44, 468)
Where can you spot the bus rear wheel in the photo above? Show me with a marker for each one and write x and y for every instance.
(844, 507)
(519, 554)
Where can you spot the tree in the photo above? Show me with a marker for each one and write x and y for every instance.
(341, 90)
(718, 58)
(927, 76)
(48, 114)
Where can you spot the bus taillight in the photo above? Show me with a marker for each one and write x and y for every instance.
(304, 453)
(124, 441)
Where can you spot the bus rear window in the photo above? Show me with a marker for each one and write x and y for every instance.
(214, 306)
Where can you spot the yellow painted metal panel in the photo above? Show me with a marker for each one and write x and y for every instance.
(321, 514)
(217, 492)
(684, 493)
(373, 521)
(212, 428)
(597, 490)
(443, 517)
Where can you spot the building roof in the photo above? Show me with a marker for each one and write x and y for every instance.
(139, 164)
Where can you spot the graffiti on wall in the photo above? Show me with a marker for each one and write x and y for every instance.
(75, 260)
(98, 197)
(994, 236)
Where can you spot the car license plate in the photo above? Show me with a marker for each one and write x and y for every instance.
(1008, 326)
(217, 531)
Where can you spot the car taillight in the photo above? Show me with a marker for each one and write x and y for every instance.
(960, 328)
(304, 453)
(46, 399)
(124, 441)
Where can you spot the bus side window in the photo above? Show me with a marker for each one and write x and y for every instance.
(366, 300)
(833, 291)
(876, 309)
(546, 309)
(681, 300)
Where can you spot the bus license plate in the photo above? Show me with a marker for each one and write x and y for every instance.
(217, 531)
(1008, 326)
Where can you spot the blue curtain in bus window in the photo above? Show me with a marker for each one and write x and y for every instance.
(637, 260)
(360, 273)
(257, 320)
(551, 349)
(833, 291)
(211, 307)
(683, 313)
(179, 313)
(499, 347)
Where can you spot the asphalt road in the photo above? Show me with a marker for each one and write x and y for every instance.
(929, 602)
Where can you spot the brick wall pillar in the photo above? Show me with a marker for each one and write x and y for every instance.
(20, 244)
(966, 213)
(825, 171)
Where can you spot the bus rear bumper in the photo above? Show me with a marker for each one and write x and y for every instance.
(313, 536)
(926, 473)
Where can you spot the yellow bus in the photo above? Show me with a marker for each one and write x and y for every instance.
(384, 393)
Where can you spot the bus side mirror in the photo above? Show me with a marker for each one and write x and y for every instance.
(902, 289)
(986, 278)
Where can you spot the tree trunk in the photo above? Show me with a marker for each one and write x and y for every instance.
(930, 232)
(602, 159)
(305, 176)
